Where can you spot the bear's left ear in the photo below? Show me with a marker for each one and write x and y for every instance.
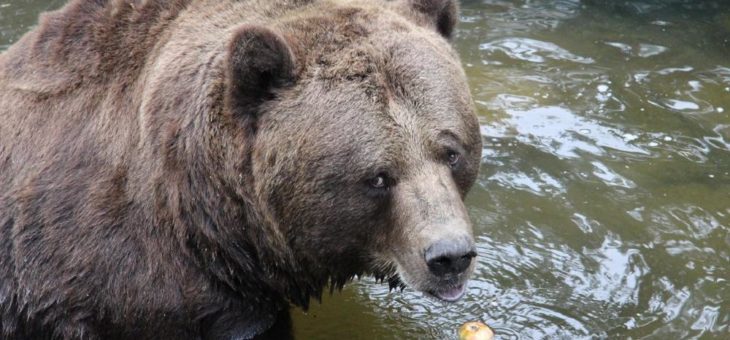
(442, 14)
(260, 61)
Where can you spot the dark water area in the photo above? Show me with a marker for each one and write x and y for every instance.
(603, 205)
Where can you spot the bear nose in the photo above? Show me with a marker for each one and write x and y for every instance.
(449, 257)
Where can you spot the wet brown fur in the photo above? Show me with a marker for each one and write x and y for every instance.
(185, 169)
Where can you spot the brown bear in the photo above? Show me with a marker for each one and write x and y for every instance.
(187, 169)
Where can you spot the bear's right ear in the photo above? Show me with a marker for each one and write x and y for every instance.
(259, 62)
(439, 14)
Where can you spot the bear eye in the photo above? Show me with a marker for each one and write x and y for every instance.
(379, 182)
(453, 158)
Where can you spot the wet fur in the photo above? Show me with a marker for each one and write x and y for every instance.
(141, 193)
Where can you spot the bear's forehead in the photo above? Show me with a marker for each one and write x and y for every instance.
(377, 77)
(409, 80)
(390, 65)
(354, 40)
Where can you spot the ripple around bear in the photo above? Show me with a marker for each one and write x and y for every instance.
(186, 169)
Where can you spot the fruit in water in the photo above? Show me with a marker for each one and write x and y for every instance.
(475, 330)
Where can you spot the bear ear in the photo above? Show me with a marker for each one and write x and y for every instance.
(260, 61)
(443, 14)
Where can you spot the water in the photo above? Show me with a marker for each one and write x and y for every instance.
(603, 205)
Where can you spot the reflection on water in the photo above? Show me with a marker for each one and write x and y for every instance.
(603, 206)
(558, 131)
(531, 50)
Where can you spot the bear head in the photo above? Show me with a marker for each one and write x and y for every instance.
(348, 134)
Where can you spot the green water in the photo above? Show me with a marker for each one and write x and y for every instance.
(603, 205)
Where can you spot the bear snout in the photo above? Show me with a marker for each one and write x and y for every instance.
(449, 258)
(449, 262)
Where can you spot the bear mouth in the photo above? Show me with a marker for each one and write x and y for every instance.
(449, 294)
(450, 290)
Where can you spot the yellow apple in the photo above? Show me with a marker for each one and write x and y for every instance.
(475, 330)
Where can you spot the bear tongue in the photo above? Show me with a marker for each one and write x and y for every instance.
(451, 294)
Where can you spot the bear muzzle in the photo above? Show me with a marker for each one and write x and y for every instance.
(436, 254)
(449, 261)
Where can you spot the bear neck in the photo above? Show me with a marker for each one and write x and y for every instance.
(233, 240)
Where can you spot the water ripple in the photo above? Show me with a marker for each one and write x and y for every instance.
(531, 50)
(557, 130)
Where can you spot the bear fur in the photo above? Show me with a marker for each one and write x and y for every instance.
(187, 169)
